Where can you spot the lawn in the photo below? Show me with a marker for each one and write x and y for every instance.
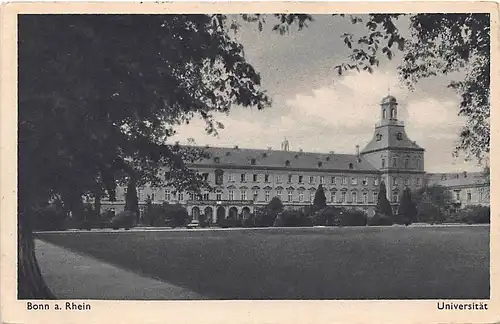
(311, 263)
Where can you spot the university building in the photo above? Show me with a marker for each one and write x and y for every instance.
(246, 179)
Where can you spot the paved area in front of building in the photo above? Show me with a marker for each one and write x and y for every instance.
(73, 276)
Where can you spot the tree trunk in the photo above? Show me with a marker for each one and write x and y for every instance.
(30, 281)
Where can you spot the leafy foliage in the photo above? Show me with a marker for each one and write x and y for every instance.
(407, 211)
(320, 198)
(383, 206)
(438, 44)
(266, 216)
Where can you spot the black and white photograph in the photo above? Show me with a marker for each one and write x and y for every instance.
(253, 156)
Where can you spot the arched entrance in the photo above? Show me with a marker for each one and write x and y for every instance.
(195, 212)
(221, 214)
(208, 214)
(233, 213)
(245, 212)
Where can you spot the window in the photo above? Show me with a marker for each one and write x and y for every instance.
(394, 162)
(365, 197)
(469, 196)
(218, 194)
(375, 182)
(344, 180)
(190, 196)
(231, 194)
(332, 180)
(153, 196)
(243, 177)
(351, 166)
(278, 194)
(206, 195)
(278, 178)
(406, 182)
(255, 177)
(287, 163)
(167, 195)
(379, 137)
(301, 179)
(322, 179)
(180, 196)
(342, 196)
(266, 178)
(395, 197)
(301, 195)
(252, 161)
(205, 176)
(365, 181)
(354, 195)
(354, 181)
(383, 163)
(333, 197)
(417, 163)
(393, 113)
(230, 177)
(139, 194)
(394, 181)
(384, 114)
(125, 193)
(406, 163)
(243, 194)
(375, 196)
(255, 193)
(418, 181)
(267, 195)
(457, 195)
(290, 195)
(290, 177)
(399, 136)
(481, 194)
(219, 177)
(311, 179)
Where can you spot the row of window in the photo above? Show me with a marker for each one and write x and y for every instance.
(395, 164)
(266, 178)
(406, 181)
(287, 196)
(482, 195)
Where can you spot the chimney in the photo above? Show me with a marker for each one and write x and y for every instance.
(357, 154)
(301, 150)
(236, 147)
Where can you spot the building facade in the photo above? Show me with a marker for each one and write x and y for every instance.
(246, 179)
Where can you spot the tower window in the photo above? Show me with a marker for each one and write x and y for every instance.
(393, 113)
(399, 136)
(384, 114)
(379, 137)
(383, 163)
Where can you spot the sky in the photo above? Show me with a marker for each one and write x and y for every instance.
(320, 111)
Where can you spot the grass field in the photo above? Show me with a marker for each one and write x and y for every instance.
(306, 263)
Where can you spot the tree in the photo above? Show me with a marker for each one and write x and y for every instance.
(320, 198)
(132, 201)
(99, 95)
(433, 203)
(267, 215)
(407, 211)
(383, 208)
(439, 44)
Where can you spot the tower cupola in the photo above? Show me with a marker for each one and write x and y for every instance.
(389, 108)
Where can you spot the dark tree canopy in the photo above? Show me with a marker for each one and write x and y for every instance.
(320, 198)
(438, 44)
(383, 206)
(100, 94)
(407, 211)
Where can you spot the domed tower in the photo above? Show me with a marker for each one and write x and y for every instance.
(399, 159)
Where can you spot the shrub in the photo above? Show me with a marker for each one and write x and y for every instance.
(291, 218)
(354, 217)
(49, 218)
(125, 219)
(327, 216)
(428, 212)
(471, 215)
(379, 220)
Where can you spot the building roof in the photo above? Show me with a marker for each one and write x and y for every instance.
(244, 157)
(391, 135)
(462, 179)
(389, 99)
